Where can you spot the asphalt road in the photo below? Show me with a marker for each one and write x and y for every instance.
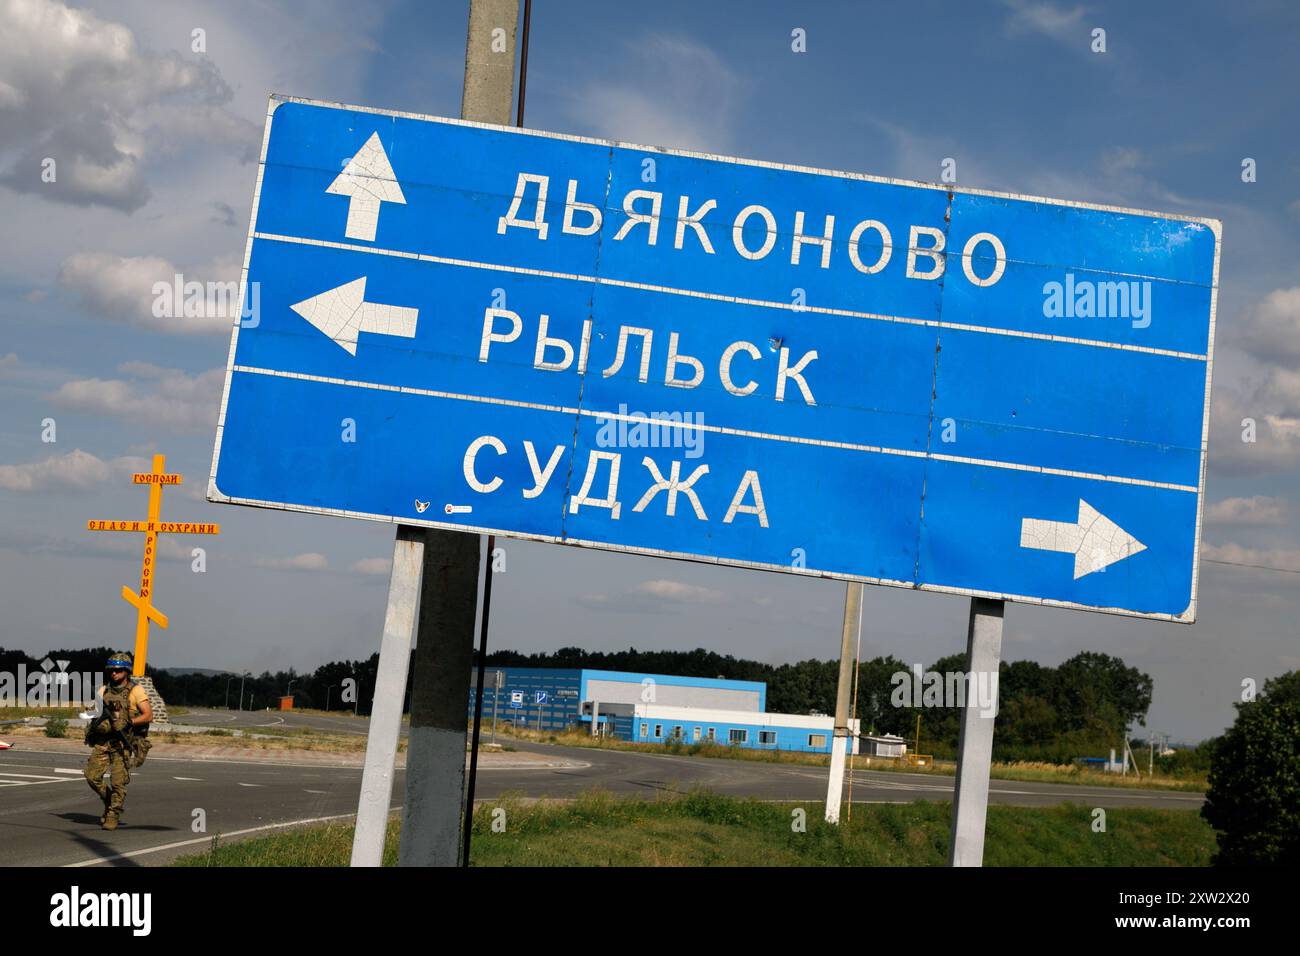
(49, 817)
(255, 720)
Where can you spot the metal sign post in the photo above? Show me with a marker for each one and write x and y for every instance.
(390, 691)
(842, 741)
(975, 741)
(498, 682)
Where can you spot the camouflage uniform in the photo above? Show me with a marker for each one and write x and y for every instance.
(109, 758)
(109, 753)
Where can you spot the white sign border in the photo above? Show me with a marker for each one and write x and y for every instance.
(1188, 616)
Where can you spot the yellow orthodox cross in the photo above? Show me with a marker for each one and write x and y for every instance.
(152, 527)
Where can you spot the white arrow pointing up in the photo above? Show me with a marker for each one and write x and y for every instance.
(343, 313)
(1095, 541)
(367, 180)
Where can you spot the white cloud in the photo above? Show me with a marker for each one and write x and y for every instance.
(680, 94)
(680, 593)
(373, 566)
(94, 544)
(920, 156)
(142, 290)
(1277, 435)
(78, 90)
(656, 596)
(156, 397)
(1118, 160)
(1257, 511)
(1027, 16)
(9, 360)
(1263, 352)
(1271, 330)
(310, 561)
(1283, 558)
(76, 470)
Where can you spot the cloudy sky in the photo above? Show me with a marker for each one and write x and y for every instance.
(155, 146)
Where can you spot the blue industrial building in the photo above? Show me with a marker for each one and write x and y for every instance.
(649, 708)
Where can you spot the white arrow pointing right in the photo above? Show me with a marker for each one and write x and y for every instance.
(343, 313)
(367, 180)
(1095, 541)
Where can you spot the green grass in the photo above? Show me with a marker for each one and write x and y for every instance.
(705, 829)
(17, 713)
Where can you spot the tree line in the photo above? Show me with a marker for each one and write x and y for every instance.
(1082, 707)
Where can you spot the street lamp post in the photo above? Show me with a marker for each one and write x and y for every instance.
(228, 680)
(241, 690)
(327, 695)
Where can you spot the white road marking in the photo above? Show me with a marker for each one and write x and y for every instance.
(193, 779)
(315, 791)
(250, 784)
(67, 770)
(29, 779)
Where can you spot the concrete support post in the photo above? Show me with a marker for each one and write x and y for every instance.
(490, 62)
(975, 744)
(440, 689)
(841, 741)
(444, 650)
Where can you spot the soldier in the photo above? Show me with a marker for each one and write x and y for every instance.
(125, 708)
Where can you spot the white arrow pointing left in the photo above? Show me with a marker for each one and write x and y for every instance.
(367, 180)
(343, 313)
(1095, 541)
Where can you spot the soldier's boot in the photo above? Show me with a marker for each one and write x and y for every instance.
(110, 820)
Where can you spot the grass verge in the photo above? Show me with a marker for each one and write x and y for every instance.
(706, 829)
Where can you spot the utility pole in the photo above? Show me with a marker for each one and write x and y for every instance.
(444, 651)
(842, 741)
(438, 571)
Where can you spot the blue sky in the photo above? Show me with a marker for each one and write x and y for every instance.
(156, 147)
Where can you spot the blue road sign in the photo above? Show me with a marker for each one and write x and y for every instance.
(516, 699)
(638, 349)
(541, 697)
